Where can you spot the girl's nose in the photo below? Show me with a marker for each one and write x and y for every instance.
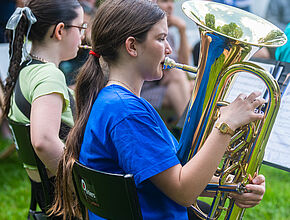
(168, 49)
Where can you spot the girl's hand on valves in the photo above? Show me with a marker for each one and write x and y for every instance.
(242, 110)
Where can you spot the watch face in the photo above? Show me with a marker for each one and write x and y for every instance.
(224, 128)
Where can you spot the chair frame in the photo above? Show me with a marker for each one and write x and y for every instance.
(26, 153)
(108, 195)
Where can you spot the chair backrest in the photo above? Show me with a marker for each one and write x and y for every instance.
(26, 153)
(111, 196)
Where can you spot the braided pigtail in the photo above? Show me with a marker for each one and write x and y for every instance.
(15, 52)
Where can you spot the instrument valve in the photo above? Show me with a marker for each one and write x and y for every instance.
(222, 208)
(241, 188)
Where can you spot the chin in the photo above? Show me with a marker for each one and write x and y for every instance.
(69, 57)
(159, 76)
(154, 77)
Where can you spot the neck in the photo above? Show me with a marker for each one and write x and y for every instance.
(125, 85)
(126, 73)
(45, 53)
(126, 79)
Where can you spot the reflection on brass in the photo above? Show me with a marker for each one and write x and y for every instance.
(223, 54)
(210, 21)
(234, 23)
(272, 35)
(231, 29)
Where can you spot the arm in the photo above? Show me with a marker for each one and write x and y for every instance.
(185, 184)
(184, 49)
(45, 125)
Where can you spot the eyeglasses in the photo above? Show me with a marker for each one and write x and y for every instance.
(82, 28)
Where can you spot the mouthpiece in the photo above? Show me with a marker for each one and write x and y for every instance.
(86, 47)
(170, 63)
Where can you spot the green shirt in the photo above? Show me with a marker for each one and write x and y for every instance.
(37, 80)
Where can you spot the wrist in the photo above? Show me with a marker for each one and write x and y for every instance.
(224, 128)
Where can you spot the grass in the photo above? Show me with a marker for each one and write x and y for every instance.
(15, 192)
(14, 189)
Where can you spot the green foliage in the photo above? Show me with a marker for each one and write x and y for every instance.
(232, 29)
(210, 20)
(272, 35)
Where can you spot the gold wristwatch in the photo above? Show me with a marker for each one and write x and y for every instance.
(224, 128)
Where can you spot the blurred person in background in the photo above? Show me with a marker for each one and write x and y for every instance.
(283, 53)
(278, 13)
(242, 4)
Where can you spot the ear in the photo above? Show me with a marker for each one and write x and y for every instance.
(59, 31)
(130, 45)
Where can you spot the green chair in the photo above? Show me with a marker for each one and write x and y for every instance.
(111, 196)
(26, 153)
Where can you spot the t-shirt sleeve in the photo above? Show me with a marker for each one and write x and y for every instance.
(142, 148)
(47, 81)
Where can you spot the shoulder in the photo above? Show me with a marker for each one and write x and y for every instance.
(46, 70)
(114, 103)
(41, 79)
(115, 96)
(37, 74)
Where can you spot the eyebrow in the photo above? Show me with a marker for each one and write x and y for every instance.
(162, 34)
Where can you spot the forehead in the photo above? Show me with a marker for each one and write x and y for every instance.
(160, 27)
(164, 1)
(80, 15)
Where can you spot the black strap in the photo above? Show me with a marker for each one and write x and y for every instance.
(21, 102)
(72, 104)
(25, 107)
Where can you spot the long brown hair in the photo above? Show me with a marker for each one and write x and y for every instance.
(115, 21)
(47, 13)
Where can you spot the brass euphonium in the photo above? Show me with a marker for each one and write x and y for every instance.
(229, 36)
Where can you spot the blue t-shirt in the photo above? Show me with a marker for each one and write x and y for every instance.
(125, 134)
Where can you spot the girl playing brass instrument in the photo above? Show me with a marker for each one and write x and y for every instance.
(117, 131)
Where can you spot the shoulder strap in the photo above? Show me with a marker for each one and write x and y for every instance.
(25, 107)
(64, 128)
(72, 104)
(21, 102)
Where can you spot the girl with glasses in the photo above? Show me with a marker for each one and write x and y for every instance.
(55, 30)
